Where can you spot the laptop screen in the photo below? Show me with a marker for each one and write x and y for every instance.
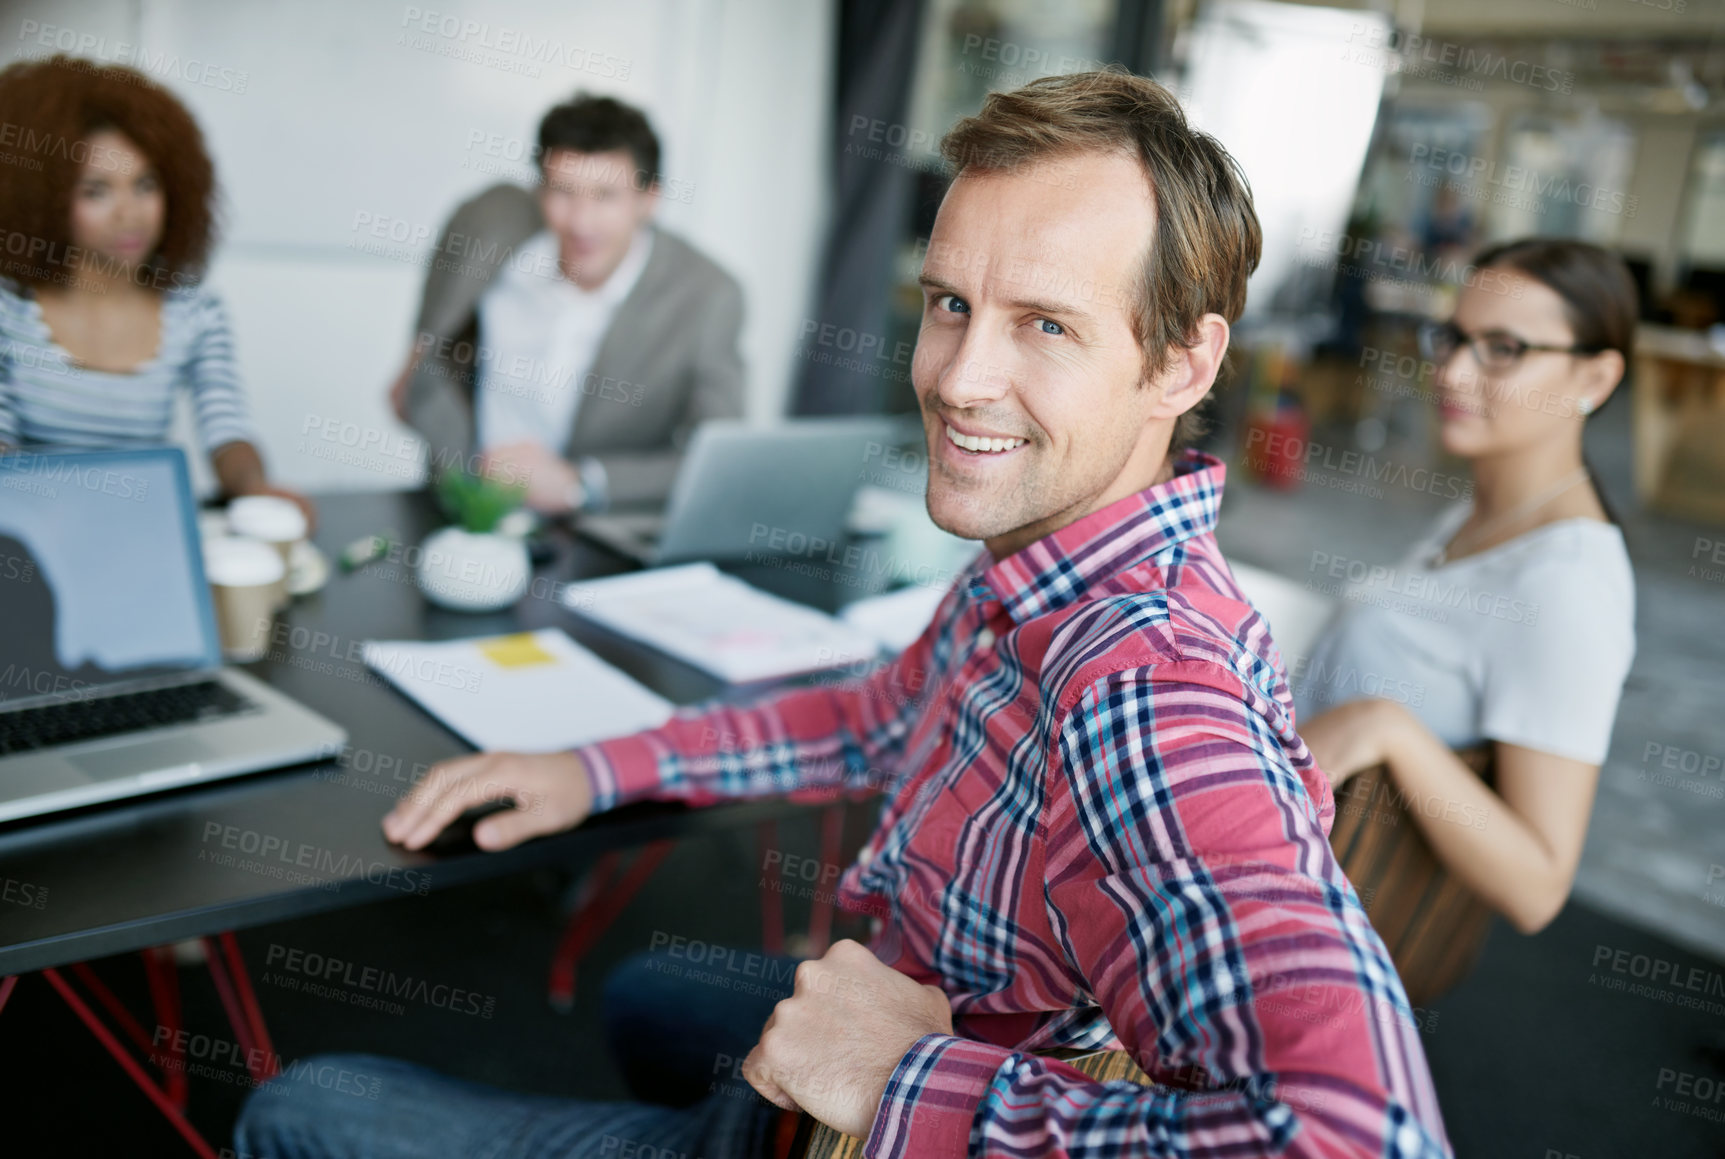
(101, 571)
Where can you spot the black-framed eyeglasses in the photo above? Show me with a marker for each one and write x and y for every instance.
(1494, 349)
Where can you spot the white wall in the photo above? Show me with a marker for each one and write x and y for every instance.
(328, 118)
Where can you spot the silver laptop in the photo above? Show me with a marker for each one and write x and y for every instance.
(111, 682)
(744, 490)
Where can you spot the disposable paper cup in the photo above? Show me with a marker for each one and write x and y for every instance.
(273, 520)
(246, 579)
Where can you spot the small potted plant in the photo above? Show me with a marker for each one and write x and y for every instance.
(475, 565)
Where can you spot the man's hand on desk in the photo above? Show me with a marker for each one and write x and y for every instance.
(831, 1047)
(551, 791)
(553, 486)
(400, 388)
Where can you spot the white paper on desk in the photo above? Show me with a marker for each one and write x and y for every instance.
(719, 623)
(534, 692)
(897, 618)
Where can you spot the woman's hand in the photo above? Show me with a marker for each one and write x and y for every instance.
(303, 502)
(240, 471)
(1352, 736)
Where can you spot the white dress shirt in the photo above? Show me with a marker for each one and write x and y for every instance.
(539, 334)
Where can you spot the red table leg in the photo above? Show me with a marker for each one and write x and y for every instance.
(249, 1003)
(595, 882)
(772, 901)
(112, 1005)
(227, 970)
(591, 919)
(129, 1065)
(231, 1003)
(164, 979)
(821, 912)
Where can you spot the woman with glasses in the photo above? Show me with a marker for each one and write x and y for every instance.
(1511, 621)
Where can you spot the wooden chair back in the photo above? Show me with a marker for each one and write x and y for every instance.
(1432, 925)
(816, 1140)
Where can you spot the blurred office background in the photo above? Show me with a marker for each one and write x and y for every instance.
(344, 135)
(1386, 142)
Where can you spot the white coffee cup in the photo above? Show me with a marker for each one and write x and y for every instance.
(273, 520)
(246, 578)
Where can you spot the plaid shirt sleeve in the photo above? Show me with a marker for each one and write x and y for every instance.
(806, 743)
(1191, 882)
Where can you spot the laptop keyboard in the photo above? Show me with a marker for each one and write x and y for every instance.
(68, 722)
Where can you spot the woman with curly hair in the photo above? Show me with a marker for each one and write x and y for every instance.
(107, 202)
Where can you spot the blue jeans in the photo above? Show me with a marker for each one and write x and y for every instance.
(678, 1028)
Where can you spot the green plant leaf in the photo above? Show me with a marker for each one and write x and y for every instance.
(476, 503)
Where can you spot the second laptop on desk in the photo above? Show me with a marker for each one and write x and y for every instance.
(745, 489)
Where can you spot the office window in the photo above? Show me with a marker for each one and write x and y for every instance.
(971, 48)
(1563, 179)
(1704, 224)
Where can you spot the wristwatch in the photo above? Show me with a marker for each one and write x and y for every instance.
(587, 491)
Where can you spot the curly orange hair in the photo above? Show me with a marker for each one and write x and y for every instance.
(51, 107)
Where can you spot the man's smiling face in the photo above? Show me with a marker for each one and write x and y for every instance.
(1028, 293)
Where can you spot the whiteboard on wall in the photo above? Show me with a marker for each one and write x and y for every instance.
(336, 122)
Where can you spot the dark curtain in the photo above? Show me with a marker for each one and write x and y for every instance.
(873, 189)
(851, 360)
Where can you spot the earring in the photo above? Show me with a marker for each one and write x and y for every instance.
(1584, 407)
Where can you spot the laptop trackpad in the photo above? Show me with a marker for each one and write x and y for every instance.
(133, 759)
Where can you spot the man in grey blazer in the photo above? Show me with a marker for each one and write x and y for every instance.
(564, 339)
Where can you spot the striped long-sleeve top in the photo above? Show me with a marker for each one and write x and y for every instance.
(47, 398)
(1101, 831)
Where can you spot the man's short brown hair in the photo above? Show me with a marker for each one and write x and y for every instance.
(1207, 239)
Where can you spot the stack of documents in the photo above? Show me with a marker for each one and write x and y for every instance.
(719, 623)
(535, 692)
(897, 618)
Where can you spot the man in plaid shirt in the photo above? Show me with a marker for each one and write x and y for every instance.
(1102, 829)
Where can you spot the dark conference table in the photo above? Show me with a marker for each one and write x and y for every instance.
(270, 846)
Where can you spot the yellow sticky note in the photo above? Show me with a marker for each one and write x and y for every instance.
(518, 651)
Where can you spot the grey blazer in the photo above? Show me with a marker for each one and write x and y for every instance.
(669, 360)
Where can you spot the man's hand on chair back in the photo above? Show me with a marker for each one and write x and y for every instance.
(830, 1048)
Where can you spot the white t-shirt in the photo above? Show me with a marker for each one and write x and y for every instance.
(538, 336)
(1526, 643)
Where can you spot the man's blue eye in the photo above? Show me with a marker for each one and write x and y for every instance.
(1050, 327)
(953, 303)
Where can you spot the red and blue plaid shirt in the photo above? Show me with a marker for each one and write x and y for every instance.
(1101, 831)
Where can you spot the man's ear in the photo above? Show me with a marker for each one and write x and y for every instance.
(1191, 371)
(650, 204)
